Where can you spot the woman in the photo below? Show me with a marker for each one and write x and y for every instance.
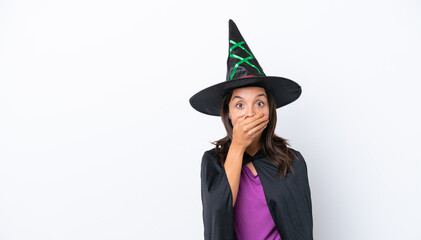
(253, 186)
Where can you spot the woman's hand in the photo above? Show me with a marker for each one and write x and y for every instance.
(247, 129)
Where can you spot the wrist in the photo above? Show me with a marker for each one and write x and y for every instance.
(238, 147)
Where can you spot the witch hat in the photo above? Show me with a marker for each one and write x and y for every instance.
(243, 70)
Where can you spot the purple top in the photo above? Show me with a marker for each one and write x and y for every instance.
(252, 219)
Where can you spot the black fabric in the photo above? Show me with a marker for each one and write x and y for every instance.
(209, 100)
(289, 200)
(245, 52)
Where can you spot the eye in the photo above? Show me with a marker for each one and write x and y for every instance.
(237, 104)
(262, 103)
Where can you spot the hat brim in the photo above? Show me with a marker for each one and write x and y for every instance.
(209, 100)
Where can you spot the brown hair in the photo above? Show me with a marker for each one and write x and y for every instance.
(275, 148)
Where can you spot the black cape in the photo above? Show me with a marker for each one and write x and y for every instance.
(289, 200)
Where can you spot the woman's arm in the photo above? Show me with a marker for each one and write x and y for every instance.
(233, 164)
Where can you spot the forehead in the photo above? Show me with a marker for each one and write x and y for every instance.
(247, 92)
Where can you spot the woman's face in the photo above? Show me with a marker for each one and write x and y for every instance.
(247, 101)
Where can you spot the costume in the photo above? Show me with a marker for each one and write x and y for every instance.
(288, 199)
(252, 218)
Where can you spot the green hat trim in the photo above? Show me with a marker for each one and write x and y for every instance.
(242, 60)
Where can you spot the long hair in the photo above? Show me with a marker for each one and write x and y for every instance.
(275, 148)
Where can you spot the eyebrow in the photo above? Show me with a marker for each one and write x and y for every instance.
(262, 94)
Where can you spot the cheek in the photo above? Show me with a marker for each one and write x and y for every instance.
(235, 113)
(266, 111)
(234, 118)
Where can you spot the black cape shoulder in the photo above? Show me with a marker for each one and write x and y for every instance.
(288, 199)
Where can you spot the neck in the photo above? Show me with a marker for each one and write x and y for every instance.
(254, 147)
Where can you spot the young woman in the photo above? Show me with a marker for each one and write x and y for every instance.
(253, 185)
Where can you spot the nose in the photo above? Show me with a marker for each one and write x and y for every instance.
(250, 112)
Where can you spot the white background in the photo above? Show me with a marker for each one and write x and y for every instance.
(98, 139)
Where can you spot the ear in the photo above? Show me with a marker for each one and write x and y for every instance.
(229, 116)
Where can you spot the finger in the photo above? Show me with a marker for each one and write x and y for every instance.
(249, 120)
(240, 119)
(259, 128)
(256, 122)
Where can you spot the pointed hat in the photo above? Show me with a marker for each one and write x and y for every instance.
(243, 70)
